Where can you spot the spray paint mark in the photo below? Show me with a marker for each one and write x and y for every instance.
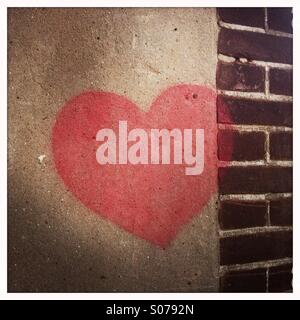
(150, 201)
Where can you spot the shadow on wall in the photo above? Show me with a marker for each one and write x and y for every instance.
(48, 251)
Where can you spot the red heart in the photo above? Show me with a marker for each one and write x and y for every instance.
(150, 201)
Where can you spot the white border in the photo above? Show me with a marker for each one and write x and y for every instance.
(148, 4)
(3, 150)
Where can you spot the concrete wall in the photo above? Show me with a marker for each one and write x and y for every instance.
(55, 242)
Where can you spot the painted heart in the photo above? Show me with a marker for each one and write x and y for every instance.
(150, 201)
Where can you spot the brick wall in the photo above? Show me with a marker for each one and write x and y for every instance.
(254, 81)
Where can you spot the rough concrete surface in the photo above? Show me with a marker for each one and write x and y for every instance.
(55, 243)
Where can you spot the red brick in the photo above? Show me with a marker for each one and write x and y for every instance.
(281, 212)
(281, 82)
(242, 214)
(245, 111)
(255, 179)
(253, 17)
(280, 19)
(280, 279)
(244, 281)
(255, 46)
(240, 77)
(256, 247)
(247, 146)
(281, 146)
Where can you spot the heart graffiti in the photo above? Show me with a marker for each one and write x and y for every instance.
(151, 201)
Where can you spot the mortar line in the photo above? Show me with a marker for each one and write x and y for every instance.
(266, 19)
(225, 58)
(242, 200)
(267, 82)
(267, 147)
(228, 59)
(260, 163)
(248, 231)
(255, 265)
(256, 96)
(238, 27)
(224, 164)
(255, 197)
(254, 127)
